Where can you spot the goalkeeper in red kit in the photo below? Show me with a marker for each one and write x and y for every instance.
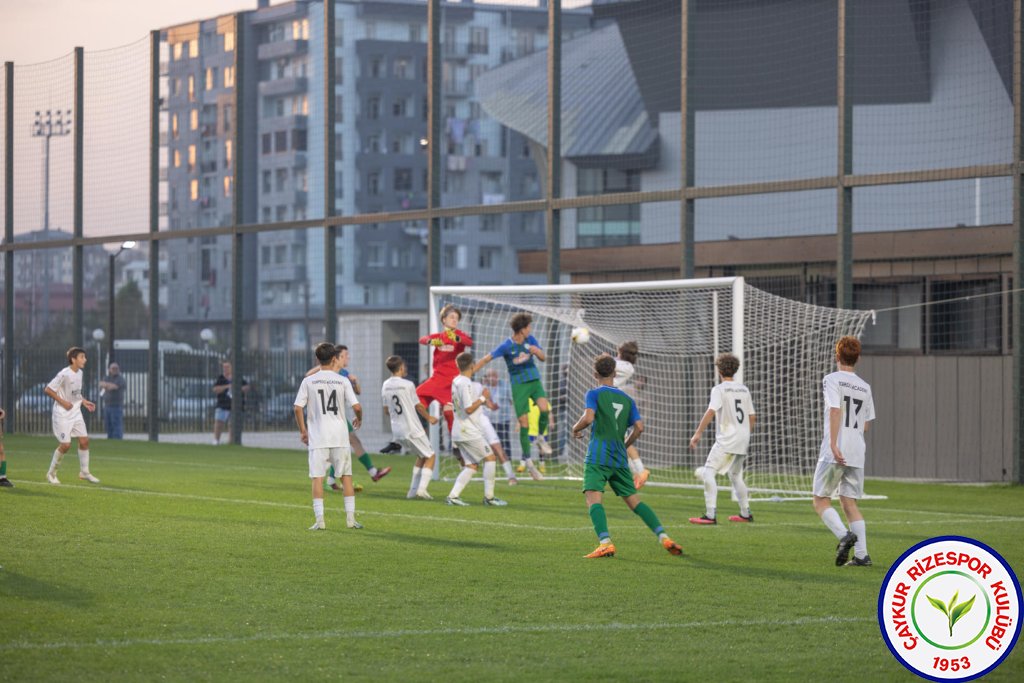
(448, 344)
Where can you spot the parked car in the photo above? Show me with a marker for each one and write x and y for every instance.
(190, 399)
(34, 400)
(278, 410)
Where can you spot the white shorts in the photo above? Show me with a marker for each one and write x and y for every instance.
(720, 461)
(66, 429)
(490, 436)
(418, 445)
(322, 459)
(830, 479)
(473, 452)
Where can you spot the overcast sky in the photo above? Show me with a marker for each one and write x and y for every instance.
(34, 31)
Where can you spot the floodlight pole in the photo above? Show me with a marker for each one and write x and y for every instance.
(8, 190)
(1017, 460)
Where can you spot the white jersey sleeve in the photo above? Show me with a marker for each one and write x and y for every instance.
(852, 396)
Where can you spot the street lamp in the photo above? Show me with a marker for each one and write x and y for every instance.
(97, 336)
(51, 123)
(129, 244)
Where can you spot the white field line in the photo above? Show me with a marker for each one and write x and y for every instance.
(443, 632)
(959, 518)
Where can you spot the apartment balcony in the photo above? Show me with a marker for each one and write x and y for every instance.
(458, 88)
(282, 49)
(283, 86)
(282, 272)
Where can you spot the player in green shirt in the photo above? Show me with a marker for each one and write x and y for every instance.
(612, 412)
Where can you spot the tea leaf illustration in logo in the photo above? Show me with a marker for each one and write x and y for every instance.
(953, 611)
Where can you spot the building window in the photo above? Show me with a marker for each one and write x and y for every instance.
(211, 77)
(177, 51)
(376, 255)
(490, 257)
(415, 33)
(339, 32)
(227, 186)
(280, 179)
(402, 68)
(299, 140)
(339, 71)
(373, 108)
(229, 77)
(965, 316)
(398, 108)
(174, 125)
(403, 180)
(490, 222)
(604, 226)
(455, 256)
(193, 48)
(228, 115)
(265, 251)
(191, 88)
(266, 182)
(227, 154)
(376, 67)
(373, 183)
(339, 147)
(193, 189)
(177, 158)
(339, 185)
(478, 40)
(229, 41)
(371, 30)
(191, 158)
(281, 141)
(267, 143)
(339, 109)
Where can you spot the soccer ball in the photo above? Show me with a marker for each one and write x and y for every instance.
(580, 335)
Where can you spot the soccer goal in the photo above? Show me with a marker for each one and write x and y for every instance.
(785, 348)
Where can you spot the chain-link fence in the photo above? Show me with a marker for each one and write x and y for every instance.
(176, 190)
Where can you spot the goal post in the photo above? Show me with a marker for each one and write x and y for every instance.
(784, 346)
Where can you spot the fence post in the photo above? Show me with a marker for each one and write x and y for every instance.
(844, 194)
(152, 396)
(77, 250)
(1017, 465)
(330, 154)
(686, 149)
(237, 260)
(553, 216)
(9, 396)
(434, 142)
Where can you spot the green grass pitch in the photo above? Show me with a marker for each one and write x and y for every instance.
(194, 563)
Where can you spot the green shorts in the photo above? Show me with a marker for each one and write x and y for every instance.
(619, 478)
(522, 393)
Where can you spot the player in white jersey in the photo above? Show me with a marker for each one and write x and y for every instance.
(404, 408)
(624, 371)
(66, 391)
(468, 434)
(730, 402)
(324, 395)
(849, 410)
(483, 417)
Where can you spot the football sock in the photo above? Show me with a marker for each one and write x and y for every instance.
(542, 423)
(368, 464)
(831, 519)
(414, 485)
(739, 487)
(524, 441)
(710, 491)
(489, 471)
(83, 460)
(507, 465)
(449, 417)
(460, 482)
(3, 468)
(644, 511)
(318, 509)
(330, 473)
(860, 548)
(425, 476)
(600, 521)
(350, 509)
(55, 462)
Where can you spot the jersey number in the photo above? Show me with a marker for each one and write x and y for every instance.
(618, 409)
(330, 404)
(739, 410)
(398, 404)
(857, 403)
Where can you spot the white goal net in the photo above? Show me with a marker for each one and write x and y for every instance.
(785, 348)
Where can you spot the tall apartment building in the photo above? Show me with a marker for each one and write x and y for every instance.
(380, 100)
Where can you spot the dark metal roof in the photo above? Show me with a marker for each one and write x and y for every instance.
(602, 112)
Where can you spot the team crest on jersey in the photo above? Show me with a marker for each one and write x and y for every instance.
(949, 609)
